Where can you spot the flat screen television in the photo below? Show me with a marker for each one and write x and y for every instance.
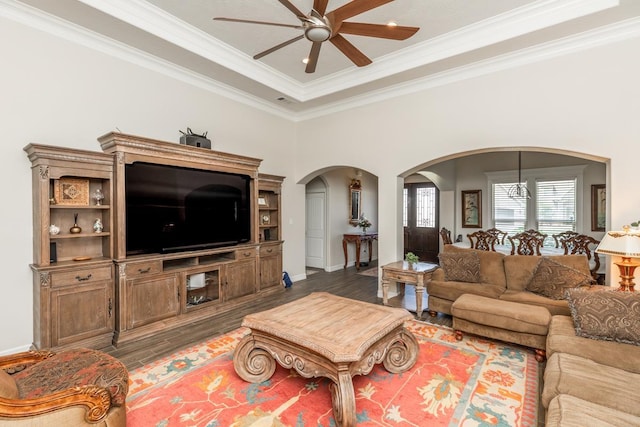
(172, 209)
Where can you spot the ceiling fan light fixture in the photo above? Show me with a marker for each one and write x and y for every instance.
(317, 33)
(392, 24)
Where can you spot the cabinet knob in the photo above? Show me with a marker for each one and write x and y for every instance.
(83, 278)
(144, 270)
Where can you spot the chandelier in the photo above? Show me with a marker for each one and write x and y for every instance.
(519, 190)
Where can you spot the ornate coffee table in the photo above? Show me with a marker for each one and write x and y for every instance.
(323, 335)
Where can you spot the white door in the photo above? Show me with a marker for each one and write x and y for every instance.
(315, 231)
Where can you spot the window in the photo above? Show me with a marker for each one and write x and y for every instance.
(509, 215)
(554, 203)
(405, 207)
(556, 206)
(425, 207)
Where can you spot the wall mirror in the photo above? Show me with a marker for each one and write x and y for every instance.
(355, 201)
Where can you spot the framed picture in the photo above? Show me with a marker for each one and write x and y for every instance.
(71, 191)
(598, 207)
(472, 209)
(262, 201)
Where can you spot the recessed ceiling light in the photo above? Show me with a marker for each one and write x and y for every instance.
(305, 61)
(392, 24)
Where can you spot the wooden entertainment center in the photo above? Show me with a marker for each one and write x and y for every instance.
(89, 292)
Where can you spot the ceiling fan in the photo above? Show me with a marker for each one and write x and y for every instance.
(319, 27)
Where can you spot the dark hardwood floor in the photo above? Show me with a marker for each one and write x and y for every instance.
(347, 283)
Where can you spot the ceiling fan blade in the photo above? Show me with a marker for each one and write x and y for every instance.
(356, 7)
(293, 9)
(320, 6)
(350, 51)
(247, 21)
(378, 30)
(280, 46)
(313, 57)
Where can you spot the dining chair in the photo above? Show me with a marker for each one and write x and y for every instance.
(499, 234)
(561, 237)
(482, 240)
(446, 236)
(584, 244)
(527, 243)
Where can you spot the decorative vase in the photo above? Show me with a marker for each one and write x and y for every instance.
(98, 197)
(364, 230)
(76, 228)
(97, 225)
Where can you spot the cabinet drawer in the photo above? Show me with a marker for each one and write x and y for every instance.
(270, 250)
(404, 277)
(245, 254)
(80, 276)
(145, 268)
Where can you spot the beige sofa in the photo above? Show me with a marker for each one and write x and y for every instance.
(587, 381)
(503, 277)
(590, 382)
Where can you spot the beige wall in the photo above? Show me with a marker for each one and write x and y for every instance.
(57, 92)
(585, 103)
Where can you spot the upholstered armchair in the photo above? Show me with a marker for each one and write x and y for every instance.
(79, 387)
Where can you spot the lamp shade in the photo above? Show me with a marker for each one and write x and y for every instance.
(620, 243)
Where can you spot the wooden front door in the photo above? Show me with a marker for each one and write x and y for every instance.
(420, 217)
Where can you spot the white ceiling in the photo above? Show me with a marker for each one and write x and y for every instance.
(457, 39)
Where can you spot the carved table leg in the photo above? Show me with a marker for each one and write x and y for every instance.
(343, 399)
(419, 294)
(385, 290)
(251, 363)
(344, 248)
(402, 353)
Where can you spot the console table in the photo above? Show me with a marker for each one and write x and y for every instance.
(358, 238)
(399, 272)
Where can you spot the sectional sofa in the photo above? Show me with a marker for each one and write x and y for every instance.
(589, 335)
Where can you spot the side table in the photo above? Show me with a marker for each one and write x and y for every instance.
(399, 272)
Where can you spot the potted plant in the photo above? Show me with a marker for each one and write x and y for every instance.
(411, 259)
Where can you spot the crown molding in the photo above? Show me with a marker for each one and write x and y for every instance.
(42, 21)
(519, 21)
(156, 21)
(601, 36)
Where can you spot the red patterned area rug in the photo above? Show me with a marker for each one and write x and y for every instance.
(474, 382)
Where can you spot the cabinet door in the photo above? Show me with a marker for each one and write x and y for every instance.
(270, 266)
(152, 299)
(81, 312)
(240, 279)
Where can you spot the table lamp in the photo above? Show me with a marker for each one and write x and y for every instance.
(625, 244)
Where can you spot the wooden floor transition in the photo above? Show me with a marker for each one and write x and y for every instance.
(347, 283)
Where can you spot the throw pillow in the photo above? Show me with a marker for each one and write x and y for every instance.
(551, 278)
(460, 266)
(606, 315)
